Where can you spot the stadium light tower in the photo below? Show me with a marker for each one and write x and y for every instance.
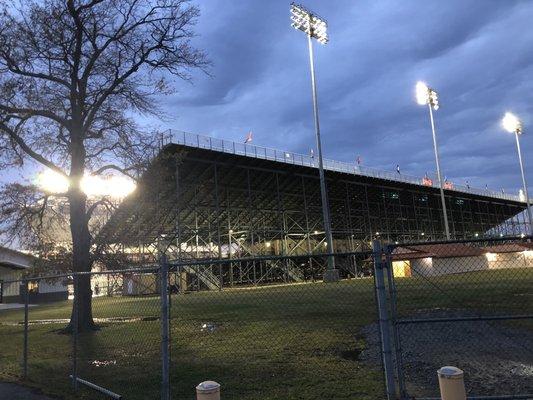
(426, 95)
(512, 124)
(315, 27)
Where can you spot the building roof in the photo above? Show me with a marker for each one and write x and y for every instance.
(509, 248)
(449, 250)
(15, 259)
(445, 250)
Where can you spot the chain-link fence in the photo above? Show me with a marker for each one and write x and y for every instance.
(265, 328)
(466, 304)
(269, 327)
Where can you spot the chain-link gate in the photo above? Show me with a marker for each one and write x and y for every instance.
(463, 303)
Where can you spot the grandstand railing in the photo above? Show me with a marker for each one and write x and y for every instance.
(288, 157)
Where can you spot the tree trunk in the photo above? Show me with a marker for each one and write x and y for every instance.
(81, 260)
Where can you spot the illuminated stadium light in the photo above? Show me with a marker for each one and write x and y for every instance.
(512, 124)
(52, 182)
(315, 27)
(309, 23)
(427, 96)
(93, 186)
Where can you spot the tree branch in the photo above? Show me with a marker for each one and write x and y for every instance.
(114, 167)
(27, 149)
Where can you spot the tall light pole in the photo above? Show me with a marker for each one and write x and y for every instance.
(512, 124)
(426, 95)
(315, 27)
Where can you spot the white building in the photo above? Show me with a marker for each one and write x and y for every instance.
(13, 264)
(455, 258)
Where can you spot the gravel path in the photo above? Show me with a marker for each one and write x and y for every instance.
(497, 359)
(12, 391)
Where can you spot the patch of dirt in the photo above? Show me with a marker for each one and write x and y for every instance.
(497, 358)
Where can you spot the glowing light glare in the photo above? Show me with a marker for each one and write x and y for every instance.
(511, 123)
(426, 95)
(52, 182)
(113, 186)
(93, 186)
(422, 93)
(491, 257)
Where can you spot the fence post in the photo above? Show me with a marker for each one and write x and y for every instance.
(75, 333)
(394, 312)
(26, 323)
(384, 322)
(165, 361)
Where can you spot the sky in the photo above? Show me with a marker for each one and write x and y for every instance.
(476, 54)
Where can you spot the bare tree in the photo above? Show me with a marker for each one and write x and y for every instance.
(73, 73)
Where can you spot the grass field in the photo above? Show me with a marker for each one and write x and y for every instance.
(295, 342)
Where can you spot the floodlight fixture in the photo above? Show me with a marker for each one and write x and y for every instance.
(426, 95)
(309, 23)
(511, 123)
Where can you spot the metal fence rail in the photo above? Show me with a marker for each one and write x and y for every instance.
(265, 153)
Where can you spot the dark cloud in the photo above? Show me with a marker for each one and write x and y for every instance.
(476, 53)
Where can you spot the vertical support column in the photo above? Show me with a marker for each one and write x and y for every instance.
(307, 231)
(75, 333)
(26, 323)
(384, 322)
(165, 353)
(219, 238)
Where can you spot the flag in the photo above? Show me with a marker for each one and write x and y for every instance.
(427, 181)
(467, 185)
(248, 137)
(312, 152)
(448, 184)
(358, 160)
(398, 168)
(486, 187)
